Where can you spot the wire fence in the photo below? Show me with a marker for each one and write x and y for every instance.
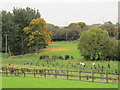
(112, 78)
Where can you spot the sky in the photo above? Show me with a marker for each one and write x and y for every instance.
(64, 12)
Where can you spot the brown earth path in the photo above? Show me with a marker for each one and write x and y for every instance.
(53, 50)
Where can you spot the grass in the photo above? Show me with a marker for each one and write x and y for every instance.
(58, 48)
(19, 82)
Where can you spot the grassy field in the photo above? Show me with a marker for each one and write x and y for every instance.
(60, 49)
(15, 82)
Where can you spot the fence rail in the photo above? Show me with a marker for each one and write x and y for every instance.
(68, 74)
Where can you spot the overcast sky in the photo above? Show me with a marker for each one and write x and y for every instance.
(64, 12)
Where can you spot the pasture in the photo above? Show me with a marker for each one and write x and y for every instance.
(26, 82)
(61, 49)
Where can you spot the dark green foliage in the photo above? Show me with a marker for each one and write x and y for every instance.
(72, 57)
(67, 57)
(111, 28)
(12, 25)
(95, 44)
(61, 58)
(44, 57)
(55, 57)
(72, 31)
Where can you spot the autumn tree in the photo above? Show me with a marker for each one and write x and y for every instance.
(13, 25)
(37, 34)
(22, 17)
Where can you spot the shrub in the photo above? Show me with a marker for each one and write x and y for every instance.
(67, 57)
(55, 57)
(61, 58)
(44, 57)
(95, 44)
(72, 57)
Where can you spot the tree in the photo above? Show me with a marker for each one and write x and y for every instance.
(109, 22)
(37, 33)
(57, 32)
(9, 28)
(74, 30)
(82, 24)
(22, 17)
(13, 25)
(95, 44)
(110, 28)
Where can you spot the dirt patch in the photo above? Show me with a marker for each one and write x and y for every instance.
(53, 50)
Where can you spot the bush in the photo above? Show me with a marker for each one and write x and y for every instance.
(61, 58)
(95, 44)
(44, 57)
(67, 57)
(72, 57)
(55, 57)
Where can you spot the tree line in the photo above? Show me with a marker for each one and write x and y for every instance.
(73, 30)
(16, 26)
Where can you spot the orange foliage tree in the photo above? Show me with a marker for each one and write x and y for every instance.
(37, 34)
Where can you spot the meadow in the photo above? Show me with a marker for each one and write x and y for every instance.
(26, 82)
(61, 49)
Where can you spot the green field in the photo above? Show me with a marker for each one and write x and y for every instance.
(61, 49)
(15, 82)
(58, 48)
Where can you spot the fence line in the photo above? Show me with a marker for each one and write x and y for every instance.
(55, 73)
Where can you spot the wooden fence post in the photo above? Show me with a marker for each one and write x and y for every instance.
(92, 76)
(15, 72)
(6, 72)
(34, 72)
(67, 74)
(44, 72)
(55, 73)
(18, 72)
(24, 72)
(79, 75)
(106, 77)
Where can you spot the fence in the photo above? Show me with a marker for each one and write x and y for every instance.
(63, 74)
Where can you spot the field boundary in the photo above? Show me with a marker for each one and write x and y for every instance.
(67, 74)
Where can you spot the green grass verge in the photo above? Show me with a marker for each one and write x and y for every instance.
(25, 82)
